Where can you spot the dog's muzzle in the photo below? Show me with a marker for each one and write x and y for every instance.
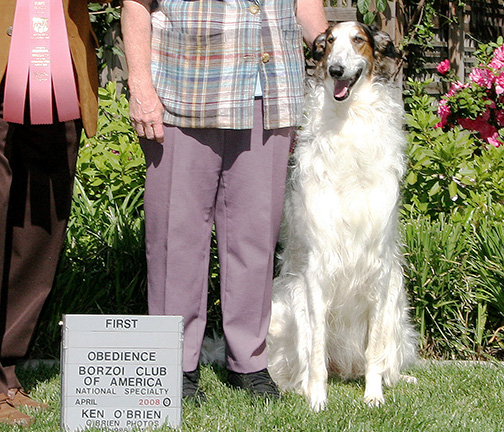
(342, 86)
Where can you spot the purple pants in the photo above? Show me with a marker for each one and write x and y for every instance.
(235, 178)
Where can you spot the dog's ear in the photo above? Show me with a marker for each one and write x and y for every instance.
(319, 45)
(384, 46)
(386, 55)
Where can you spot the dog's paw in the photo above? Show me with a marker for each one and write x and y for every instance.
(408, 379)
(318, 403)
(374, 400)
(373, 393)
(317, 396)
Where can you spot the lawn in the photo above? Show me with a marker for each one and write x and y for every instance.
(449, 396)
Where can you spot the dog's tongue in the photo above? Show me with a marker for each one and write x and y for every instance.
(341, 88)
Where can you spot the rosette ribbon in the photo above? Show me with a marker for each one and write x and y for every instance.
(40, 62)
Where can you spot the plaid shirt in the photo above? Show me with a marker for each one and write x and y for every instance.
(207, 55)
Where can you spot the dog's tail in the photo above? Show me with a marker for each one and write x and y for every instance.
(213, 350)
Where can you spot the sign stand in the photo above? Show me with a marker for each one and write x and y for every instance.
(121, 372)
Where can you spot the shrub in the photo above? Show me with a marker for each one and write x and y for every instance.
(436, 256)
(452, 213)
(487, 276)
(450, 172)
(477, 105)
(111, 162)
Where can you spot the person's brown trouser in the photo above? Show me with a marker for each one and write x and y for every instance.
(37, 165)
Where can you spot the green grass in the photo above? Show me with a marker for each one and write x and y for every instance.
(449, 396)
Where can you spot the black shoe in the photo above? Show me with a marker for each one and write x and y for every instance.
(257, 383)
(190, 388)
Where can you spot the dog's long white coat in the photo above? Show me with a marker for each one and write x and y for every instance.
(339, 304)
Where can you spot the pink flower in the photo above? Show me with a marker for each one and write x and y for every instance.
(443, 112)
(499, 84)
(486, 131)
(496, 64)
(498, 58)
(467, 123)
(455, 87)
(494, 141)
(499, 116)
(482, 77)
(488, 77)
(443, 67)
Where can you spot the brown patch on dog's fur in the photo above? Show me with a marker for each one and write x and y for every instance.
(363, 43)
(319, 51)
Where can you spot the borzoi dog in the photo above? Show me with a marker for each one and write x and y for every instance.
(339, 305)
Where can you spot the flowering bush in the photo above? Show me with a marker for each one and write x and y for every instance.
(477, 105)
(448, 171)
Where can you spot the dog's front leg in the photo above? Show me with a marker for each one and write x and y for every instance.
(375, 354)
(373, 394)
(390, 340)
(316, 390)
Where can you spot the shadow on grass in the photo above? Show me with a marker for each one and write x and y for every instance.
(31, 375)
(220, 372)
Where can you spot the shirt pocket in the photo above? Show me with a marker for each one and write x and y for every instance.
(189, 65)
(187, 46)
(197, 17)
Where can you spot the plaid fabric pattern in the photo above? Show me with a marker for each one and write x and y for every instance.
(207, 55)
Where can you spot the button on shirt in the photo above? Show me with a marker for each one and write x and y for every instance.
(207, 54)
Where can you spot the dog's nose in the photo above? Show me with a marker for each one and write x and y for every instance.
(336, 71)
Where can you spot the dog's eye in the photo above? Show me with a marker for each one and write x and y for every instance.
(358, 40)
(330, 39)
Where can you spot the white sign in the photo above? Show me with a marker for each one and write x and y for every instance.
(121, 372)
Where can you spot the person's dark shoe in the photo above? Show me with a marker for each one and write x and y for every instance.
(190, 388)
(257, 383)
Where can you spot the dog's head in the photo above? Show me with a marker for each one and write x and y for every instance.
(349, 53)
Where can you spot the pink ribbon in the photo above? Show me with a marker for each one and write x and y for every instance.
(39, 57)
